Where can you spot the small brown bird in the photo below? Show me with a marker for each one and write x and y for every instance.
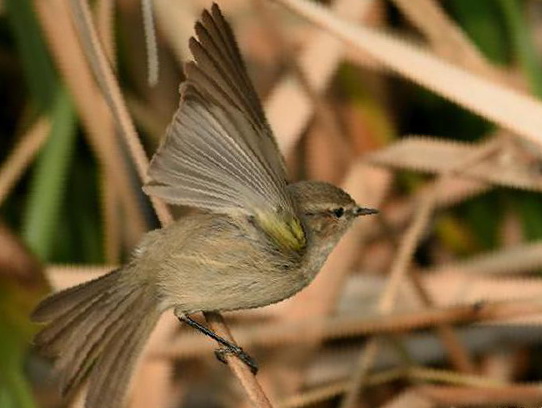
(254, 239)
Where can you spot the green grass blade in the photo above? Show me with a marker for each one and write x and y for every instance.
(48, 184)
(522, 42)
(38, 68)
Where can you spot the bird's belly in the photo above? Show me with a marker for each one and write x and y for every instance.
(233, 289)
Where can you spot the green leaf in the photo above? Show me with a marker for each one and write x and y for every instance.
(523, 46)
(49, 178)
(482, 21)
(38, 68)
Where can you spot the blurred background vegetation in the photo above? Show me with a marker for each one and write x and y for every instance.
(69, 192)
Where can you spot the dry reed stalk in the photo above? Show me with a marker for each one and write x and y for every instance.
(413, 374)
(145, 117)
(328, 391)
(506, 395)
(112, 226)
(176, 24)
(22, 155)
(360, 376)
(431, 155)
(453, 192)
(105, 19)
(151, 47)
(63, 276)
(409, 399)
(523, 258)
(113, 96)
(62, 40)
(105, 13)
(506, 107)
(255, 393)
(459, 356)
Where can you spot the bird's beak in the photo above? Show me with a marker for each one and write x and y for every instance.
(364, 211)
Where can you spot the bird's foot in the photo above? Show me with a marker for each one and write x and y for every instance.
(239, 353)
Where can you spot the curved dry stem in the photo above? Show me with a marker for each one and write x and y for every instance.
(23, 154)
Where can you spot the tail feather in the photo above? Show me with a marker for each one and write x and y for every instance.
(65, 301)
(52, 338)
(97, 330)
(124, 349)
(75, 363)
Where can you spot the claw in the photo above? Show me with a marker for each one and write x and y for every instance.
(239, 353)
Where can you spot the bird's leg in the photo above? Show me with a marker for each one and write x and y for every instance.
(229, 348)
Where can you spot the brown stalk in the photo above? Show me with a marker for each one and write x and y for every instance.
(409, 399)
(176, 21)
(518, 259)
(431, 155)
(453, 191)
(328, 391)
(105, 13)
(113, 96)
(361, 373)
(459, 356)
(153, 63)
(506, 395)
(112, 227)
(255, 393)
(105, 18)
(22, 155)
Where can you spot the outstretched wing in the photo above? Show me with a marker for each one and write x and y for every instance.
(219, 152)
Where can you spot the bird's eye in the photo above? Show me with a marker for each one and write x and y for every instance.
(338, 212)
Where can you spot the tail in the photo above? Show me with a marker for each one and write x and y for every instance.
(97, 330)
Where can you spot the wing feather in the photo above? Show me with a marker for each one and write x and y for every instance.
(219, 152)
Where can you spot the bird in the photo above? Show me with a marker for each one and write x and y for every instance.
(252, 239)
